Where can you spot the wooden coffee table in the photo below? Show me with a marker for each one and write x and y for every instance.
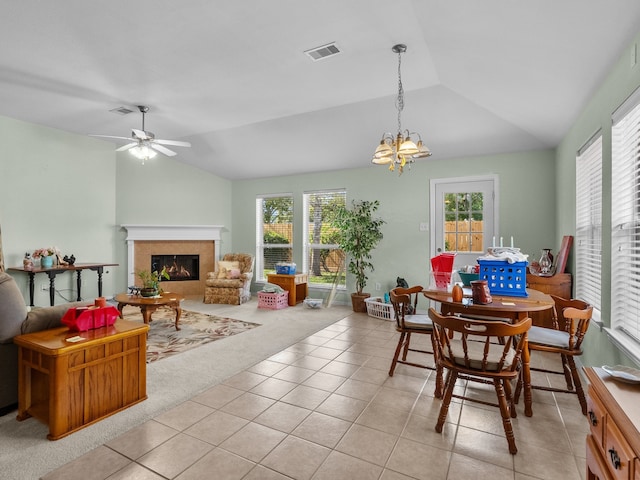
(148, 305)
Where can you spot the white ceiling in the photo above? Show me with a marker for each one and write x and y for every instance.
(480, 76)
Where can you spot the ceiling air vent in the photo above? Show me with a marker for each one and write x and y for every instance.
(324, 51)
(122, 110)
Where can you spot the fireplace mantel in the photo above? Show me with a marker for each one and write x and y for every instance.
(167, 233)
(173, 232)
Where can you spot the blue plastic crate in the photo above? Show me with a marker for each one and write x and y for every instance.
(286, 268)
(504, 278)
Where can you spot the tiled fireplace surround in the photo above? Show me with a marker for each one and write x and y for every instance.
(146, 240)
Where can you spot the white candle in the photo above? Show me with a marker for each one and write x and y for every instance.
(493, 244)
(512, 241)
(501, 242)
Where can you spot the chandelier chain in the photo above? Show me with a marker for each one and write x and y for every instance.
(400, 99)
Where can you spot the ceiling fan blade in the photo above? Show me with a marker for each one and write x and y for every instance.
(176, 143)
(140, 134)
(126, 147)
(111, 136)
(161, 149)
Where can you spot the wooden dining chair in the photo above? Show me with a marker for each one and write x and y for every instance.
(409, 322)
(486, 351)
(571, 318)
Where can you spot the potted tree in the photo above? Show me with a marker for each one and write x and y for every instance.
(358, 234)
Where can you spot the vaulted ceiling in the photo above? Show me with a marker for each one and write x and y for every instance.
(480, 76)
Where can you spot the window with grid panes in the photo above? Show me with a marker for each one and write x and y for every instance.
(588, 241)
(323, 259)
(463, 225)
(274, 233)
(625, 222)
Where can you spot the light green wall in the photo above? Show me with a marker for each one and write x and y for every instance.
(619, 84)
(58, 189)
(166, 192)
(404, 204)
(74, 192)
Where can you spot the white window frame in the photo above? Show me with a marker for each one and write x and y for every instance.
(625, 227)
(260, 245)
(307, 246)
(588, 276)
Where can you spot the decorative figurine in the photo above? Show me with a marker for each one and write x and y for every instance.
(27, 262)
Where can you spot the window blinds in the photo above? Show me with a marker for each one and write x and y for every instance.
(589, 221)
(625, 204)
(274, 232)
(323, 260)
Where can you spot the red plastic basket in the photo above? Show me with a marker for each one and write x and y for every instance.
(442, 266)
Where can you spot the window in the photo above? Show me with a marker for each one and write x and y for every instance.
(625, 219)
(589, 222)
(463, 222)
(274, 233)
(322, 258)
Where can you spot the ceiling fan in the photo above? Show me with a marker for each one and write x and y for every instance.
(145, 144)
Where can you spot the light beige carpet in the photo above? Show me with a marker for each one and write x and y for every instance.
(25, 453)
(196, 329)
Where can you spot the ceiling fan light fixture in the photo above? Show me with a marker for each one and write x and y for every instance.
(142, 152)
(143, 144)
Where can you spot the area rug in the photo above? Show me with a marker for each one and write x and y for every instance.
(196, 329)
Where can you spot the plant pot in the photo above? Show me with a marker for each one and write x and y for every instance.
(148, 292)
(357, 302)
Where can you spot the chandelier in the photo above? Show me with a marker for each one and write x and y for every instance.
(399, 150)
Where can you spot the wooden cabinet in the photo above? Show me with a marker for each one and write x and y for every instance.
(296, 285)
(559, 285)
(70, 384)
(613, 412)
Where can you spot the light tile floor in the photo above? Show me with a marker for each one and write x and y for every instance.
(326, 409)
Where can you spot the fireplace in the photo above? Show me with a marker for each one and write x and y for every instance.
(167, 242)
(179, 267)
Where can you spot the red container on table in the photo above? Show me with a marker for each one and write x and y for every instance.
(80, 319)
(442, 266)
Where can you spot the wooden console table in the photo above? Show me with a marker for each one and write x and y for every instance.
(613, 412)
(70, 384)
(55, 270)
(296, 285)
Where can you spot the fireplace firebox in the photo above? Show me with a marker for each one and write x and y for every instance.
(179, 267)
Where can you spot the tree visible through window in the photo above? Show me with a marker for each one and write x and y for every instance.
(274, 233)
(323, 260)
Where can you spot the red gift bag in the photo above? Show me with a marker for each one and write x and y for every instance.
(80, 319)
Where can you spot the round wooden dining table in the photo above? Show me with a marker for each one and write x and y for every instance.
(513, 308)
(502, 306)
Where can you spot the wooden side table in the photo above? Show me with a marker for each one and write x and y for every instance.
(296, 285)
(70, 380)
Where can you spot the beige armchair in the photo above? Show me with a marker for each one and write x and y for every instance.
(231, 282)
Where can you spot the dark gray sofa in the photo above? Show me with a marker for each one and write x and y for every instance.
(15, 319)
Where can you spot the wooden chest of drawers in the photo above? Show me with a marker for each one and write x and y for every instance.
(613, 412)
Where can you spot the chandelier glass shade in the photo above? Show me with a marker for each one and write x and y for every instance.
(399, 150)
